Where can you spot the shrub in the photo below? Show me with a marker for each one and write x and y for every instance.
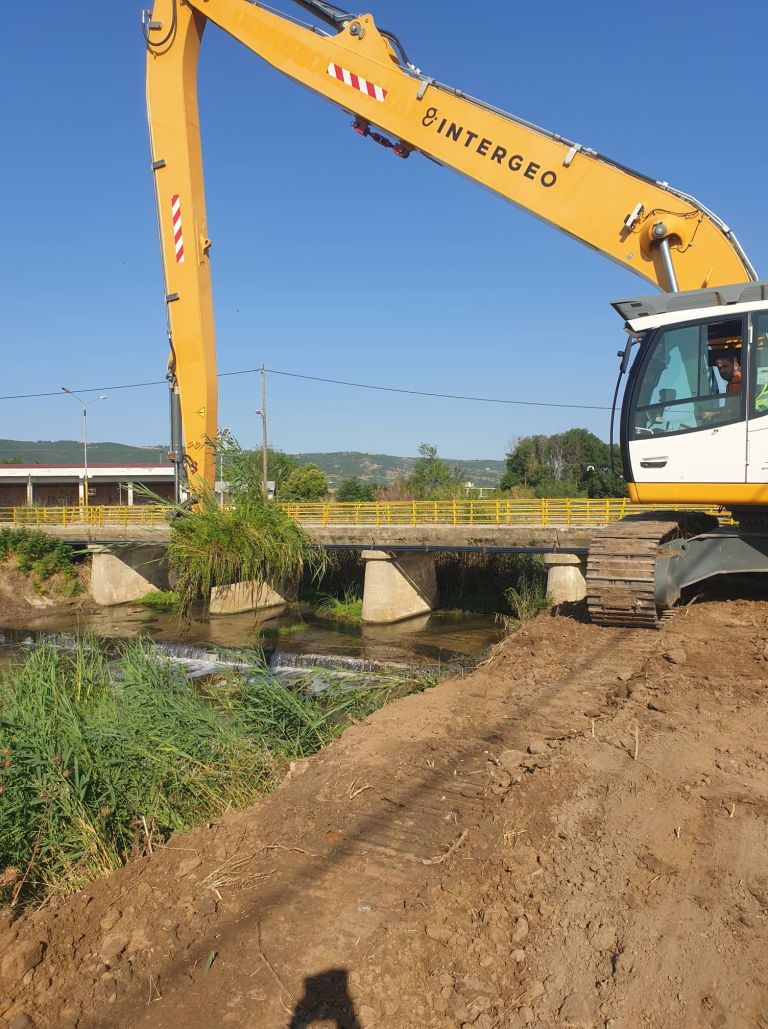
(41, 556)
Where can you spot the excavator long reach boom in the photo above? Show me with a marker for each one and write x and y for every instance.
(655, 231)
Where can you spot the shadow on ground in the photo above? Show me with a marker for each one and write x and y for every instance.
(326, 996)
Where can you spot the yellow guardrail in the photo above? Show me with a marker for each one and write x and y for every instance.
(556, 512)
(40, 517)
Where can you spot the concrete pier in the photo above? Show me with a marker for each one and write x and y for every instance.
(124, 573)
(565, 577)
(398, 586)
(245, 596)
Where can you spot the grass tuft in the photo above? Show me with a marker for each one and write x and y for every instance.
(159, 600)
(348, 608)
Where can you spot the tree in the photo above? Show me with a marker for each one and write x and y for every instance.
(306, 482)
(431, 478)
(602, 482)
(527, 464)
(242, 469)
(355, 490)
(571, 463)
(279, 466)
(11, 460)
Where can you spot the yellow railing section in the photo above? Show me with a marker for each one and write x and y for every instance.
(40, 517)
(559, 512)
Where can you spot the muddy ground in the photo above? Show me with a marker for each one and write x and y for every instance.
(574, 834)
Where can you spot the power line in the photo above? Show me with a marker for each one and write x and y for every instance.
(334, 382)
(442, 396)
(90, 389)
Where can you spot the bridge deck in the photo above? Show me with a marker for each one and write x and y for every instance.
(549, 524)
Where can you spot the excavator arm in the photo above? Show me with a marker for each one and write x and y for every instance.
(653, 230)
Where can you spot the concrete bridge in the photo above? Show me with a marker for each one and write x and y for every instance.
(398, 542)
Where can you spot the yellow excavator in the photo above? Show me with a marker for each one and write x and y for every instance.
(694, 418)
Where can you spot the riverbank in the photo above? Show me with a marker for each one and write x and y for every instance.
(22, 598)
(107, 751)
(574, 834)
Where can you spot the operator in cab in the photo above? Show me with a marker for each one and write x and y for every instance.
(725, 354)
(729, 367)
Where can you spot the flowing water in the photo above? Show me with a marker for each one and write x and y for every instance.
(287, 641)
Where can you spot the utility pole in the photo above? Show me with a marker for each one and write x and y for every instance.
(263, 413)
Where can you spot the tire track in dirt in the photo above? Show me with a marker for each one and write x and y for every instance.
(412, 820)
(341, 848)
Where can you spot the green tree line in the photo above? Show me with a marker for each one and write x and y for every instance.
(575, 463)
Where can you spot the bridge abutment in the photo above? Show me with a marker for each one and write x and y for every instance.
(398, 586)
(565, 577)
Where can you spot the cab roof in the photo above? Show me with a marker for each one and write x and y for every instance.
(664, 308)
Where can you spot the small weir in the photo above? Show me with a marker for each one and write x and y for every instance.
(202, 662)
(288, 643)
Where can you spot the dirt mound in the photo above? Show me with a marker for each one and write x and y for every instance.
(573, 835)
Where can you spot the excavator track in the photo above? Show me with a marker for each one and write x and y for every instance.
(621, 565)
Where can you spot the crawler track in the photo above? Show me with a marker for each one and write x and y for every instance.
(622, 563)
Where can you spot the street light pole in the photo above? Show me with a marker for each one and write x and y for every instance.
(85, 404)
(223, 436)
(263, 415)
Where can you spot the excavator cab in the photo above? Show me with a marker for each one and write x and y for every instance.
(691, 401)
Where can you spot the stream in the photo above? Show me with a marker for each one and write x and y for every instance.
(289, 641)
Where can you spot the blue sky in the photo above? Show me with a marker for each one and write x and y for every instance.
(331, 257)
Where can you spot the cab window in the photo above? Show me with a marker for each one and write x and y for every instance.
(691, 379)
(759, 376)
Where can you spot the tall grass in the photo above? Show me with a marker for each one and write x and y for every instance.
(253, 540)
(101, 756)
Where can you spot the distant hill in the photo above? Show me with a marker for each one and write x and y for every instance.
(70, 451)
(376, 468)
(385, 468)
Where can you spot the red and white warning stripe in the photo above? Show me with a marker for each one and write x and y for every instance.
(350, 79)
(178, 238)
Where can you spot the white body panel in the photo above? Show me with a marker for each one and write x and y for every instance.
(757, 469)
(707, 455)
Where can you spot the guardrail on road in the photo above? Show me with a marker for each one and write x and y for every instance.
(556, 512)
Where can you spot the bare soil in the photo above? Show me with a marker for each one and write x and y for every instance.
(20, 598)
(574, 834)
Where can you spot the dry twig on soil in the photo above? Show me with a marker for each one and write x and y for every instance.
(355, 791)
(451, 850)
(228, 874)
(276, 977)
